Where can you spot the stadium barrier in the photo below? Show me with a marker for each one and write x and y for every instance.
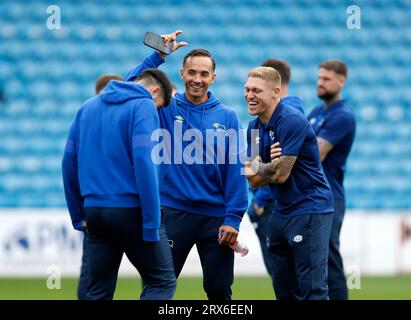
(34, 241)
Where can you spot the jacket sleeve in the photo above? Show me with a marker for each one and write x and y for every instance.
(145, 171)
(153, 61)
(75, 201)
(263, 196)
(235, 184)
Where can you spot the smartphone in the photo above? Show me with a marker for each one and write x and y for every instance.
(155, 41)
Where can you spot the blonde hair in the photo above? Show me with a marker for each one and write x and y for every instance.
(266, 73)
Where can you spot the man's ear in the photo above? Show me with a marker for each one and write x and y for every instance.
(213, 78)
(155, 90)
(182, 73)
(277, 91)
(341, 80)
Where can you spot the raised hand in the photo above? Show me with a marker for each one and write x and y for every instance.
(171, 40)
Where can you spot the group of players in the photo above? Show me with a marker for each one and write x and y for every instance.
(125, 203)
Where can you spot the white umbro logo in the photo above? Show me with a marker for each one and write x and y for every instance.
(171, 243)
(298, 238)
(271, 135)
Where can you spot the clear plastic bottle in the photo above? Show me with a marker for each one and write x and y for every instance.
(240, 248)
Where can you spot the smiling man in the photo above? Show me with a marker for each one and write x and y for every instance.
(260, 207)
(203, 202)
(302, 215)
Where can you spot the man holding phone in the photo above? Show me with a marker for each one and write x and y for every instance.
(203, 203)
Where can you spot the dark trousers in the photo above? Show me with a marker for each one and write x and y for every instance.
(262, 228)
(299, 254)
(114, 231)
(83, 279)
(217, 261)
(337, 284)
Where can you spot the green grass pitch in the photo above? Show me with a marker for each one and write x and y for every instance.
(190, 288)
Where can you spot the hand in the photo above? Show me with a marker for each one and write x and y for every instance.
(227, 235)
(248, 171)
(251, 171)
(259, 211)
(275, 152)
(255, 164)
(171, 39)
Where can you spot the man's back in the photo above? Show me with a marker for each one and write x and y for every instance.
(111, 186)
(107, 131)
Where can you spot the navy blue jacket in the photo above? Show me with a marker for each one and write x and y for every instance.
(263, 196)
(306, 191)
(336, 124)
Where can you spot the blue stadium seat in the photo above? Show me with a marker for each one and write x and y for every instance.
(47, 74)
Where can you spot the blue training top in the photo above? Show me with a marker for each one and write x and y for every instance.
(336, 124)
(201, 184)
(107, 161)
(306, 191)
(263, 196)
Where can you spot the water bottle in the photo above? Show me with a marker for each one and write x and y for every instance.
(240, 248)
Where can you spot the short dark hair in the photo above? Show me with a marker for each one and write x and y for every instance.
(281, 66)
(102, 81)
(156, 76)
(335, 65)
(199, 53)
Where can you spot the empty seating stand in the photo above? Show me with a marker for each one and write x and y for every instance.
(47, 74)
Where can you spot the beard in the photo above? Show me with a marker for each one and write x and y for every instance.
(327, 95)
